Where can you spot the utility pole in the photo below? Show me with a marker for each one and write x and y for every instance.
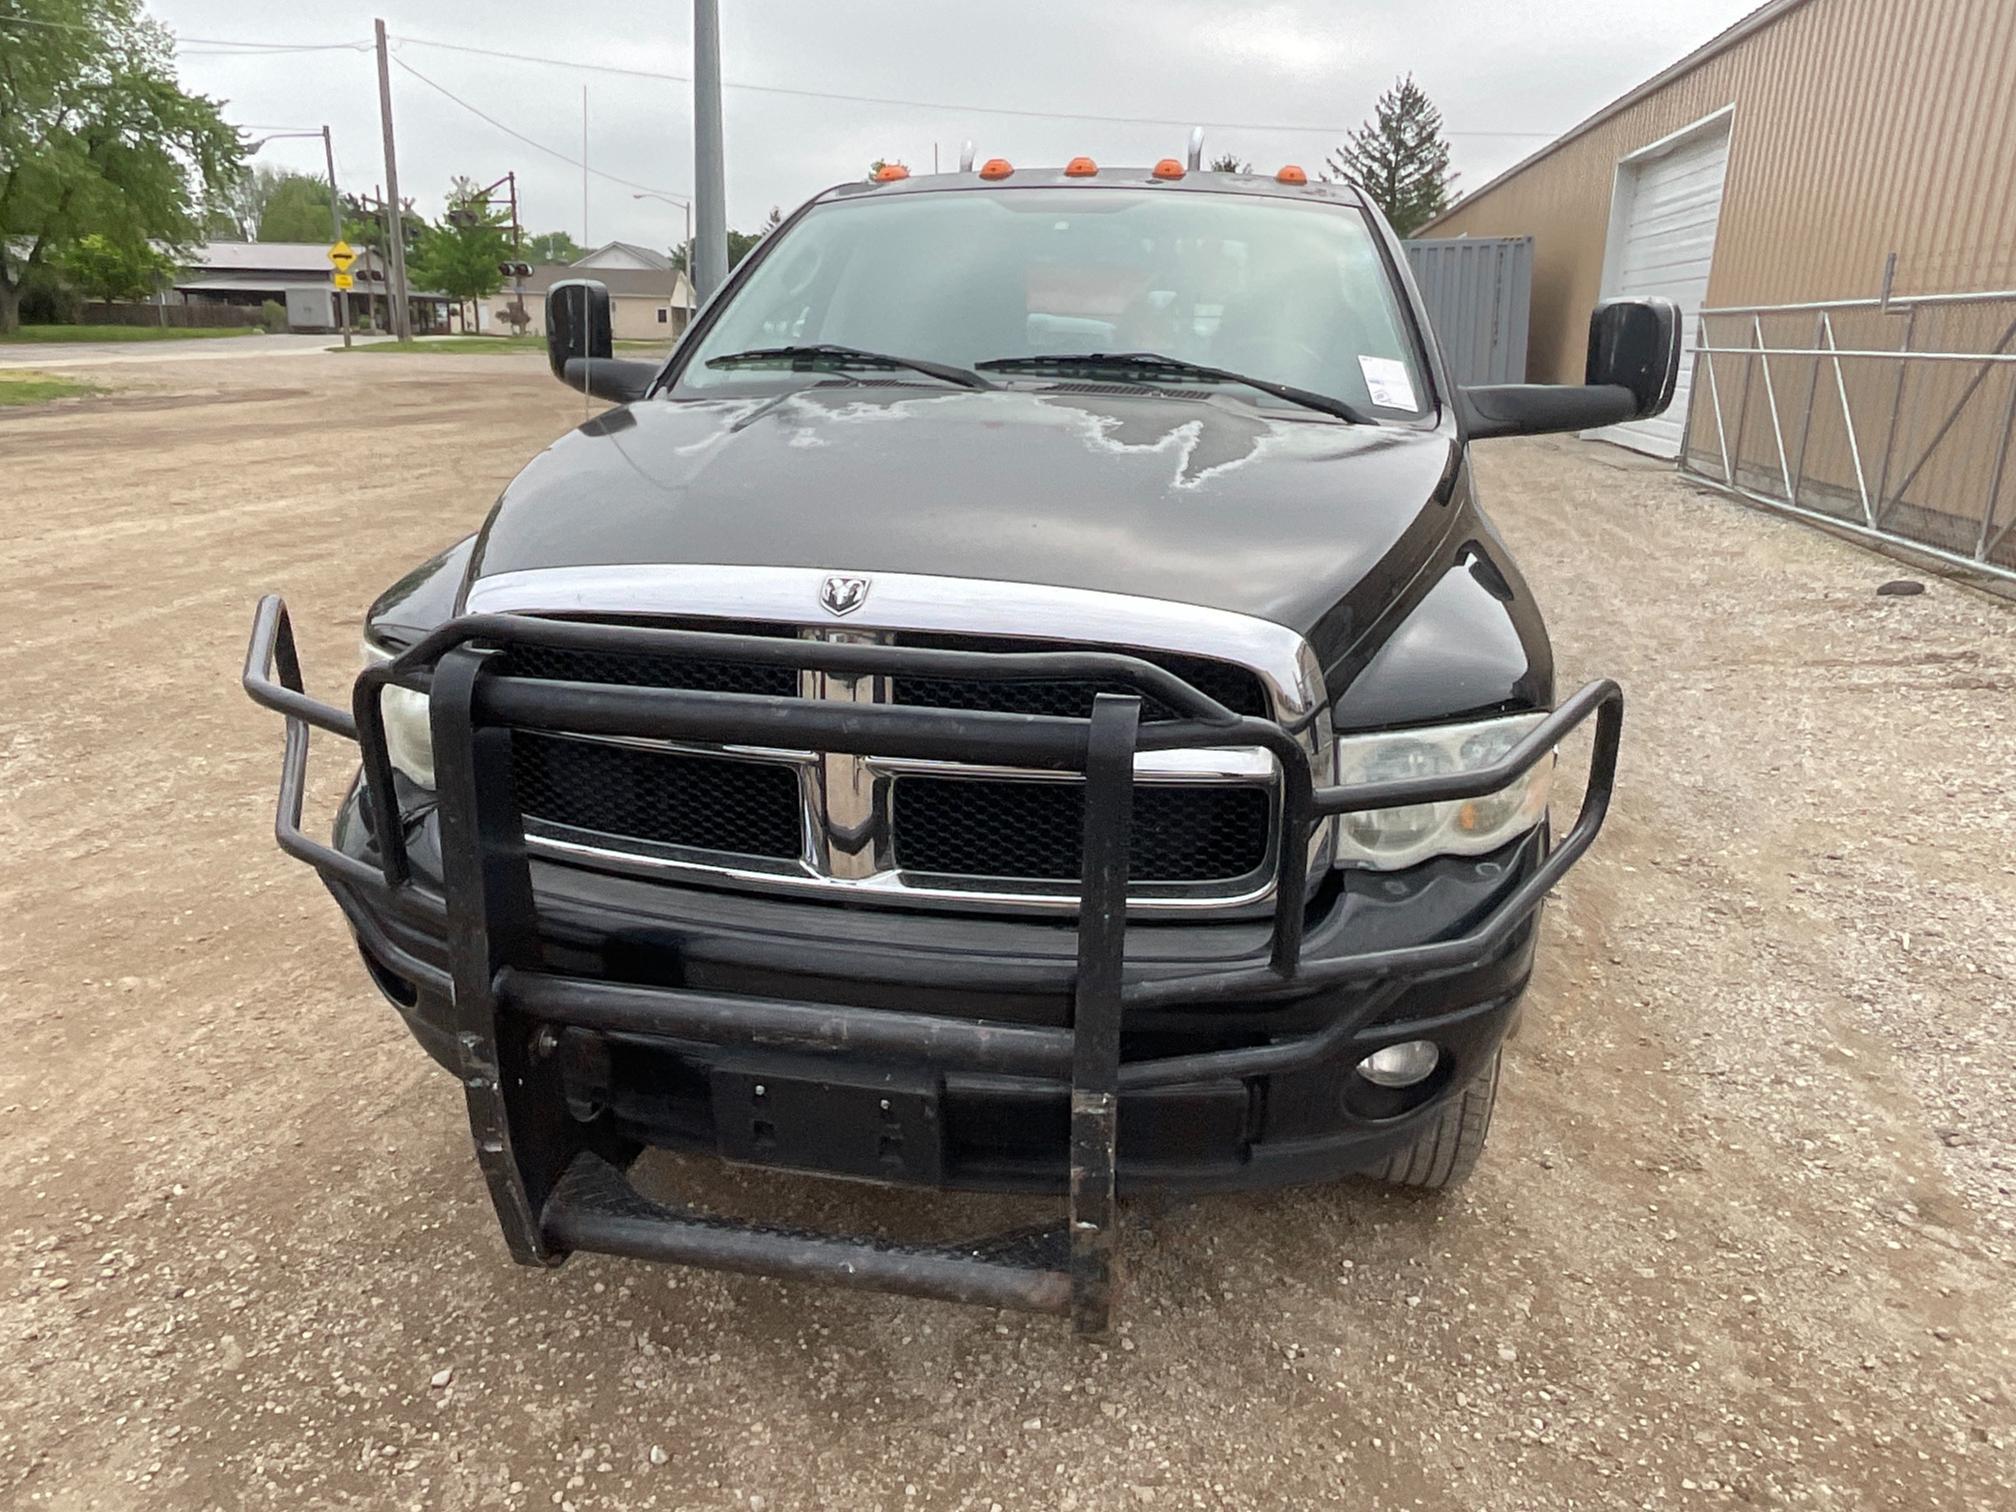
(336, 233)
(517, 255)
(709, 191)
(395, 249)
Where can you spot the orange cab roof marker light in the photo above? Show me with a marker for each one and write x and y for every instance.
(1169, 168)
(996, 168)
(1291, 175)
(1080, 167)
(888, 173)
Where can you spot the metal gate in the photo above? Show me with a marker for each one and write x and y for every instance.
(1478, 291)
(1891, 419)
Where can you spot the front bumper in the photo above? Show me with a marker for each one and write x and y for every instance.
(587, 1014)
(1008, 1132)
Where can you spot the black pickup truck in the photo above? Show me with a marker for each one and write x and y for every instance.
(1024, 699)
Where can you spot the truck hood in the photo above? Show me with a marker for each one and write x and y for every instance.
(1198, 499)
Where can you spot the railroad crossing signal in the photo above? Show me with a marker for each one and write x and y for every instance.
(341, 256)
(343, 280)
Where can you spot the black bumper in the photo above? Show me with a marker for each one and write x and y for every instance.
(588, 1014)
(1007, 1132)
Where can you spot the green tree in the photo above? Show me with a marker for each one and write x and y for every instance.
(459, 253)
(1400, 158)
(552, 247)
(297, 210)
(740, 243)
(101, 268)
(96, 136)
(233, 213)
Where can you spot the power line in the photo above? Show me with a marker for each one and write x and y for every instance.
(1000, 110)
(225, 47)
(511, 131)
(223, 42)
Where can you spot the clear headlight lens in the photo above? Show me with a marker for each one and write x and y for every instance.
(409, 737)
(1392, 838)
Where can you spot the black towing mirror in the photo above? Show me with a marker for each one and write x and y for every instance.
(1634, 362)
(580, 344)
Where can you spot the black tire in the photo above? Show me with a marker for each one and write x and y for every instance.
(1447, 1149)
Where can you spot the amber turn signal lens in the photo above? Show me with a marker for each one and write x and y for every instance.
(1168, 168)
(1080, 167)
(996, 168)
(888, 173)
(1291, 175)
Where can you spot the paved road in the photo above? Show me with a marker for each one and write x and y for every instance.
(44, 356)
(1743, 1237)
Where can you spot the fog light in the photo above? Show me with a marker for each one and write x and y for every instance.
(1400, 1065)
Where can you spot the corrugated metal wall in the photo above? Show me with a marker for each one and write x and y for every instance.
(1477, 290)
(1861, 127)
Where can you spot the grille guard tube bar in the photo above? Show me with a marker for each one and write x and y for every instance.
(1036, 739)
(557, 1184)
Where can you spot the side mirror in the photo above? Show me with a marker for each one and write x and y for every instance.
(1635, 344)
(1634, 362)
(580, 343)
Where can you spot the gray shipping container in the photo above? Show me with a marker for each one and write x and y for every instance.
(1478, 291)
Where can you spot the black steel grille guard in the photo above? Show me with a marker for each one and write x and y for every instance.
(554, 1186)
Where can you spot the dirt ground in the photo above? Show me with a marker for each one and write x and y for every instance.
(1743, 1237)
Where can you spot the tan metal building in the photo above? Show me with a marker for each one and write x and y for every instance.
(1782, 164)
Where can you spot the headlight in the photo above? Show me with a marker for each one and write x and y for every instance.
(1388, 839)
(409, 737)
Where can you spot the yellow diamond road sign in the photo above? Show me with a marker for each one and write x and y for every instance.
(341, 255)
(343, 280)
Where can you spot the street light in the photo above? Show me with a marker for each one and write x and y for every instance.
(687, 206)
(335, 209)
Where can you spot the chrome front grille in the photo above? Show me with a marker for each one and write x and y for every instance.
(904, 830)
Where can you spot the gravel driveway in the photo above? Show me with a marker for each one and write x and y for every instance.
(1743, 1237)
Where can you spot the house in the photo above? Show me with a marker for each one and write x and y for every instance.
(646, 303)
(1829, 181)
(297, 275)
(622, 254)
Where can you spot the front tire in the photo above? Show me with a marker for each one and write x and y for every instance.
(1446, 1150)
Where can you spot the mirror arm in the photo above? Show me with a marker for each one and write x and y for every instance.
(617, 379)
(1535, 409)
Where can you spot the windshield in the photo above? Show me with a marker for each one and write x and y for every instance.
(1292, 293)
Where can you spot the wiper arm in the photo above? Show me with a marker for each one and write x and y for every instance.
(830, 355)
(1174, 367)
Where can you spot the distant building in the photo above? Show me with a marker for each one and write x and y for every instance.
(649, 299)
(622, 254)
(297, 275)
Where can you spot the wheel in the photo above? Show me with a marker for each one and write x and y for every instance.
(1447, 1149)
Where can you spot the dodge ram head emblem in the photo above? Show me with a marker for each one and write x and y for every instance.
(843, 595)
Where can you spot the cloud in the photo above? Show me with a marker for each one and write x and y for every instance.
(1520, 67)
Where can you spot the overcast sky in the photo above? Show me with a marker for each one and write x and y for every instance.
(1507, 75)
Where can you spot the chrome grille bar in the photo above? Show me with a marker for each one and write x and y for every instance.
(847, 800)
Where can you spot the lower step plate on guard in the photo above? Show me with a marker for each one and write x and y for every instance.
(807, 1114)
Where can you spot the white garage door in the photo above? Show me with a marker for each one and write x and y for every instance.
(1662, 237)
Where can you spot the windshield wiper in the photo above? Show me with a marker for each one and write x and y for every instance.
(826, 354)
(1154, 364)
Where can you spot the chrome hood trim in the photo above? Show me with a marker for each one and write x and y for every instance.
(914, 601)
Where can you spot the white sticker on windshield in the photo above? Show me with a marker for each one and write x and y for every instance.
(1387, 383)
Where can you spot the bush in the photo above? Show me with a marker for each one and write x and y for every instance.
(45, 300)
(273, 315)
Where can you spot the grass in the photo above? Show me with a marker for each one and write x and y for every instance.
(36, 333)
(18, 388)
